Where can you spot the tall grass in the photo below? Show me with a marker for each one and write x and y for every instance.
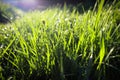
(57, 44)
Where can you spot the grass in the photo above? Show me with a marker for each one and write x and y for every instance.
(58, 44)
(8, 12)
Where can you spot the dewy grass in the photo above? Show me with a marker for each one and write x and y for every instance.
(58, 44)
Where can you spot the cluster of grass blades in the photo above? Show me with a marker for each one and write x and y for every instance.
(57, 44)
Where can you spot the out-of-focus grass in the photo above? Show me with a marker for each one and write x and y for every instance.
(9, 13)
(58, 44)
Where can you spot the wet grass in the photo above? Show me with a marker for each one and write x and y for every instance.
(57, 44)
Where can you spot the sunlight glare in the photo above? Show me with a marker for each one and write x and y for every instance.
(27, 4)
(23, 4)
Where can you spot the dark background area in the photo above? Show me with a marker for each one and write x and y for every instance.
(74, 2)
